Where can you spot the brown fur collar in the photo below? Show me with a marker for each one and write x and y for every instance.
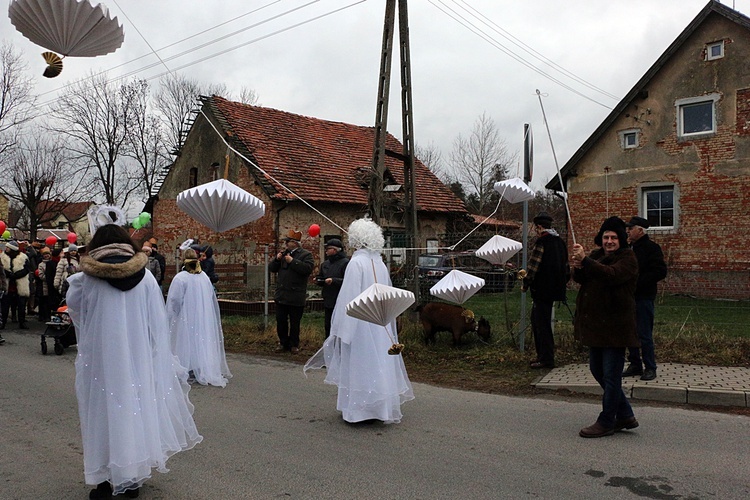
(114, 271)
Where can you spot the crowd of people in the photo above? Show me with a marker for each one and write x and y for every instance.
(128, 381)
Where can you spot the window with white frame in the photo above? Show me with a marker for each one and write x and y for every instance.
(660, 205)
(696, 116)
(715, 50)
(629, 139)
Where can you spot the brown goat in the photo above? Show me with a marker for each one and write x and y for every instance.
(440, 317)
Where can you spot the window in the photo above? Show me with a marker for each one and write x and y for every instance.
(660, 206)
(193, 179)
(629, 139)
(714, 51)
(696, 116)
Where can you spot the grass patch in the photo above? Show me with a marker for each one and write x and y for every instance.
(687, 330)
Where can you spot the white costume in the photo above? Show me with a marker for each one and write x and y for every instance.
(195, 328)
(372, 383)
(131, 389)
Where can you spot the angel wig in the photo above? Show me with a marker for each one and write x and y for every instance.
(364, 233)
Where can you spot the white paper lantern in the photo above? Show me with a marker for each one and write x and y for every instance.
(498, 250)
(380, 304)
(514, 190)
(69, 27)
(220, 205)
(457, 286)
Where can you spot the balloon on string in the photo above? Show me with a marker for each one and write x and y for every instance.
(51, 241)
(314, 230)
(6, 235)
(136, 223)
(145, 218)
(72, 237)
(3, 227)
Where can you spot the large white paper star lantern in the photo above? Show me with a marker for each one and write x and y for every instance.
(498, 250)
(220, 205)
(380, 304)
(514, 190)
(457, 286)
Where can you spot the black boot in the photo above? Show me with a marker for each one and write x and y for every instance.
(102, 491)
(23, 326)
(2, 340)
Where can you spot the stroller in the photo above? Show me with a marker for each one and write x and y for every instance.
(61, 329)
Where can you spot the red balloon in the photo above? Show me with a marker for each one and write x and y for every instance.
(314, 230)
(50, 241)
(3, 227)
(72, 237)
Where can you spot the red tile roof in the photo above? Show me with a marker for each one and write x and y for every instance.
(321, 160)
(50, 209)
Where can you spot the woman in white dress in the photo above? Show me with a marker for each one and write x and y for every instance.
(132, 391)
(195, 324)
(372, 383)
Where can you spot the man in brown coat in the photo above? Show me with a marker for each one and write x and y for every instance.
(605, 320)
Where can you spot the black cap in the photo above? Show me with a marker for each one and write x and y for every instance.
(543, 219)
(638, 221)
(335, 242)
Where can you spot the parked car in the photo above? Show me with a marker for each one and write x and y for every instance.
(434, 266)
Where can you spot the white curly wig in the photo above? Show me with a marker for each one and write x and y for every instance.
(364, 233)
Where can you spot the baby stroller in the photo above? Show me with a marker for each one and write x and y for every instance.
(60, 328)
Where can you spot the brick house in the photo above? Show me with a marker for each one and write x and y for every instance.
(322, 162)
(676, 150)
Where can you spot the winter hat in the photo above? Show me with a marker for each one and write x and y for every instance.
(294, 236)
(543, 220)
(638, 221)
(12, 245)
(335, 243)
(616, 225)
(72, 247)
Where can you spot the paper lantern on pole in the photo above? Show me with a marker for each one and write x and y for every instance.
(51, 241)
(73, 28)
(220, 205)
(498, 250)
(514, 190)
(72, 237)
(457, 287)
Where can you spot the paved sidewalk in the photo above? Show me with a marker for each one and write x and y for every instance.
(676, 383)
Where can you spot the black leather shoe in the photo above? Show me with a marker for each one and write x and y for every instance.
(2, 340)
(102, 490)
(596, 430)
(648, 374)
(632, 370)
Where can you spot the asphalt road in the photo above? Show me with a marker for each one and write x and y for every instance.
(272, 433)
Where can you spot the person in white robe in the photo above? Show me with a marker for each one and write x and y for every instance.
(195, 324)
(372, 384)
(132, 391)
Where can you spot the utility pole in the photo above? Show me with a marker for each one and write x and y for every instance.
(407, 121)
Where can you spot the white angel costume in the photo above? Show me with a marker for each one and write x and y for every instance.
(132, 391)
(195, 328)
(372, 384)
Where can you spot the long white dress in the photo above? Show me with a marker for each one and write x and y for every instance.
(195, 328)
(132, 391)
(372, 383)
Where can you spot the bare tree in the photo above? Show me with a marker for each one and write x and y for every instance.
(431, 156)
(93, 114)
(146, 142)
(16, 99)
(40, 182)
(480, 160)
(248, 96)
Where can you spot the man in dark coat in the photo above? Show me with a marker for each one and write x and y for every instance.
(331, 276)
(605, 320)
(651, 270)
(159, 258)
(294, 266)
(547, 275)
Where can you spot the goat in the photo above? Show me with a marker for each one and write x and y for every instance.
(438, 317)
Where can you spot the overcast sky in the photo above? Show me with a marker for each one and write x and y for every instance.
(322, 59)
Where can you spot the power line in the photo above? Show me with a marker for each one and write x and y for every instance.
(489, 39)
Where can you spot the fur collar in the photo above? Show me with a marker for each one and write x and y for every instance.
(107, 271)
